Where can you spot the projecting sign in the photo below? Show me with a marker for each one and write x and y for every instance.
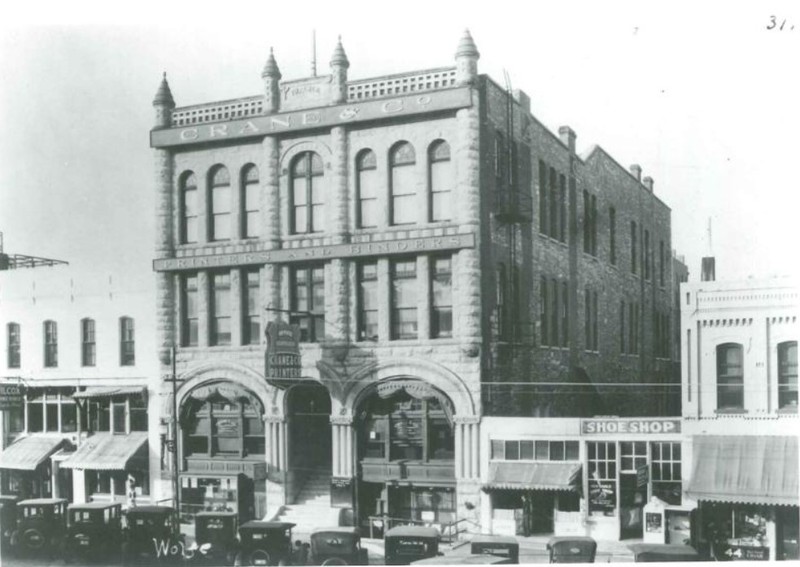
(283, 351)
(637, 426)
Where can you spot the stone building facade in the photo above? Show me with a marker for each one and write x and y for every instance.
(444, 257)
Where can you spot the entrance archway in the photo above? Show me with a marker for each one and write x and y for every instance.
(309, 419)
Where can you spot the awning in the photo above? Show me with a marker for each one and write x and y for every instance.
(108, 392)
(749, 469)
(109, 452)
(533, 476)
(29, 452)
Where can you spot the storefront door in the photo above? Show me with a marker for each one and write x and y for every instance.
(310, 428)
(539, 512)
(631, 502)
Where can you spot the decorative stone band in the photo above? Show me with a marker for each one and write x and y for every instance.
(282, 256)
(467, 419)
(341, 420)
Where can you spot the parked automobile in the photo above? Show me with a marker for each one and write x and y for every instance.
(94, 531)
(404, 544)
(506, 547)
(216, 538)
(41, 525)
(8, 522)
(152, 535)
(656, 552)
(572, 549)
(266, 543)
(337, 546)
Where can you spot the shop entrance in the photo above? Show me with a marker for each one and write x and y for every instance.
(309, 419)
(631, 503)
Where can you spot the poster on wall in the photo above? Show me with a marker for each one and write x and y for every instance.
(653, 522)
(602, 496)
(341, 492)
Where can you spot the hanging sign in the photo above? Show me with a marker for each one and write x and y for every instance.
(282, 359)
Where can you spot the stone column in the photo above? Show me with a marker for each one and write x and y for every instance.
(270, 226)
(275, 432)
(337, 306)
(165, 240)
(467, 438)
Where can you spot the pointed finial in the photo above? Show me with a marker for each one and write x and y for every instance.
(339, 57)
(271, 67)
(466, 46)
(163, 94)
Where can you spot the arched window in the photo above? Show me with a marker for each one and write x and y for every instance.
(14, 341)
(188, 192)
(442, 179)
(730, 377)
(88, 345)
(50, 344)
(787, 375)
(251, 218)
(223, 428)
(307, 207)
(402, 159)
(220, 183)
(366, 166)
(127, 342)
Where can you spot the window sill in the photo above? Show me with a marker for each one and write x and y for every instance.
(787, 411)
(730, 411)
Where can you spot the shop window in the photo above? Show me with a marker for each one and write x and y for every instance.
(50, 344)
(138, 413)
(441, 446)
(14, 341)
(787, 375)
(51, 410)
(223, 429)
(512, 450)
(252, 316)
(432, 505)
(523, 450)
(442, 179)
(189, 310)
(127, 342)
(88, 346)
(406, 431)
(368, 184)
(220, 309)
(220, 184)
(307, 203)
(404, 299)
(251, 220)
(188, 192)
(16, 420)
(403, 184)
(665, 471)
(441, 297)
(568, 501)
(632, 456)
(308, 302)
(367, 301)
(69, 416)
(602, 469)
(730, 377)
(100, 415)
(118, 415)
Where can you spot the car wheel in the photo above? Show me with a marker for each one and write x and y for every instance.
(33, 539)
(259, 557)
(334, 561)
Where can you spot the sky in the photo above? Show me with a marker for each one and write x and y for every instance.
(702, 95)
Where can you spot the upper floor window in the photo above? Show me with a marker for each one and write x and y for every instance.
(14, 341)
(251, 225)
(189, 320)
(221, 309)
(544, 226)
(787, 375)
(252, 317)
(88, 346)
(127, 342)
(499, 158)
(612, 236)
(730, 377)
(441, 297)
(404, 299)
(220, 203)
(403, 184)
(647, 255)
(442, 180)
(634, 248)
(367, 301)
(308, 302)
(307, 208)
(367, 179)
(555, 208)
(661, 257)
(501, 304)
(50, 344)
(188, 193)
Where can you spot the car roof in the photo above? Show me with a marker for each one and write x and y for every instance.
(41, 501)
(94, 506)
(262, 525)
(418, 531)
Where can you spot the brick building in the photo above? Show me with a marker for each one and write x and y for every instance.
(445, 258)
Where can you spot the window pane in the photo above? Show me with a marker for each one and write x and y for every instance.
(498, 449)
(526, 450)
(512, 450)
(299, 191)
(542, 451)
(404, 209)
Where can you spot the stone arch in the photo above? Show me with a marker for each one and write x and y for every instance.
(305, 146)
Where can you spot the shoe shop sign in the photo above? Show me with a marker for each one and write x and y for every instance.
(641, 426)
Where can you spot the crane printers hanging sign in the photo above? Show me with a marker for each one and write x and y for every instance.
(283, 352)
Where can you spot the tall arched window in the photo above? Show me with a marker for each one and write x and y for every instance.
(220, 182)
(442, 179)
(307, 207)
(730, 377)
(787, 375)
(188, 192)
(251, 218)
(366, 166)
(88, 345)
(402, 159)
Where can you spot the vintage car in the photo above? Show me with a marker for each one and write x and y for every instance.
(8, 522)
(570, 549)
(265, 543)
(94, 531)
(337, 546)
(404, 544)
(41, 525)
(152, 536)
(216, 540)
(506, 547)
(658, 552)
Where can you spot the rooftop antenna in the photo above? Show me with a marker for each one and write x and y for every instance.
(313, 53)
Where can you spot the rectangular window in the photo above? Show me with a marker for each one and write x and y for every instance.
(404, 194)
(88, 346)
(554, 208)
(368, 301)
(586, 223)
(590, 319)
(555, 314)
(252, 214)
(127, 342)
(622, 336)
(665, 471)
(442, 179)
(189, 327)
(602, 461)
(632, 455)
(562, 202)
(543, 217)
(564, 315)
(51, 410)
(634, 248)
(787, 375)
(50, 344)
(368, 187)
(220, 212)
(35, 408)
(220, 309)
(730, 377)
(308, 302)
(661, 263)
(138, 410)
(118, 416)
(404, 299)
(251, 325)
(593, 227)
(441, 297)
(647, 254)
(544, 313)
(612, 236)
(14, 341)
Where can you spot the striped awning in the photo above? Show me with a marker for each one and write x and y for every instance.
(749, 469)
(109, 452)
(94, 392)
(533, 476)
(29, 452)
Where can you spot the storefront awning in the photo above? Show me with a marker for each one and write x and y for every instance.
(109, 452)
(29, 452)
(748, 469)
(94, 392)
(533, 476)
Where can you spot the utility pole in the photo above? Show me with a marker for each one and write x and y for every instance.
(172, 445)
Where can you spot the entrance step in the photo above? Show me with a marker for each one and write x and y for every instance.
(312, 507)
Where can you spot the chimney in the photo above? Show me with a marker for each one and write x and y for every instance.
(567, 136)
(523, 99)
(648, 182)
(707, 270)
(636, 171)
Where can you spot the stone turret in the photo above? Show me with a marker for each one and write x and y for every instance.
(467, 56)
(272, 78)
(164, 104)
(339, 66)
